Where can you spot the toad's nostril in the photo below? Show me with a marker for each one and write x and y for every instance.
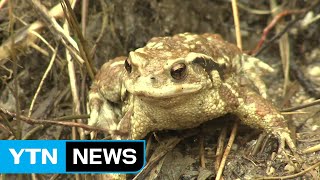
(152, 78)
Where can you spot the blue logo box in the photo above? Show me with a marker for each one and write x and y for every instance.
(55, 156)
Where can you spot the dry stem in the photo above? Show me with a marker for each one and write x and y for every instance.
(227, 151)
(42, 81)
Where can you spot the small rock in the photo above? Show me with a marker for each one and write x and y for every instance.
(270, 171)
(289, 168)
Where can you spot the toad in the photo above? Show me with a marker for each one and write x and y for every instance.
(180, 82)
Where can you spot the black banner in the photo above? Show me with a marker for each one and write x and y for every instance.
(105, 156)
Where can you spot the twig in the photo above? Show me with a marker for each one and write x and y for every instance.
(311, 149)
(71, 117)
(289, 160)
(293, 175)
(82, 44)
(59, 123)
(284, 45)
(201, 151)
(274, 38)
(235, 126)
(152, 162)
(259, 143)
(227, 151)
(220, 147)
(84, 16)
(148, 146)
(42, 39)
(39, 49)
(270, 26)
(103, 26)
(3, 127)
(42, 81)
(32, 131)
(10, 128)
(73, 85)
(253, 11)
(315, 102)
(24, 37)
(293, 113)
(55, 177)
(236, 23)
(247, 158)
(15, 67)
(56, 29)
(2, 3)
(258, 51)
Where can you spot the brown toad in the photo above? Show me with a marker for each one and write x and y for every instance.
(180, 82)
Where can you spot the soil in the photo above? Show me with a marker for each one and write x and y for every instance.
(127, 25)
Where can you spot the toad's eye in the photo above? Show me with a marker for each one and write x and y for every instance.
(178, 71)
(128, 66)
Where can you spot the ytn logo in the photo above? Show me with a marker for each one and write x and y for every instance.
(32, 156)
(32, 153)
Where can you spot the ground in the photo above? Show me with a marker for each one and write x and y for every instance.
(126, 25)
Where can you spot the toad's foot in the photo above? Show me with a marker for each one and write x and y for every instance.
(283, 136)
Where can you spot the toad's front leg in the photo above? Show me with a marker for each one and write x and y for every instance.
(257, 112)
(107, 95)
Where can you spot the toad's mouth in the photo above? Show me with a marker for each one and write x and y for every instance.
(164, 92)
